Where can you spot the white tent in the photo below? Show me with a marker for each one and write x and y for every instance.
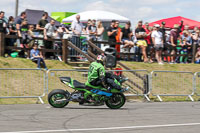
(103, 16)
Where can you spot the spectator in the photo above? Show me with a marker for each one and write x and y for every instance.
(77, 29)
(197, 56)
(148, 39)
(148, 33)
(40, 27)
(49, 29)
(186, 28)
(3, 24)
(20, 20)
(157, 40)
(127, 35)
(62, 30)
(186, 43)
(100, 31)
(174, 34)
(57, 45)
(6, 21)
(23, 32)
(195, 29)
(30, 33)
(89, 23)
(140, 35)
(112, 32)
(37, 56)
(118, 36)
(77, 26)
(4, 18)
(12, 26)
(196, 37)
(92, 30)
(166, 47)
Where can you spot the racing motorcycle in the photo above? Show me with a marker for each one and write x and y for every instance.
(86, 93)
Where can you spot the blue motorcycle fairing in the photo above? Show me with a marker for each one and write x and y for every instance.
(99, 92)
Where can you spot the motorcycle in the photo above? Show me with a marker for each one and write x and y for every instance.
(86, 93)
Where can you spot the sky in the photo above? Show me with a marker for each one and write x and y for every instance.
(135, 10)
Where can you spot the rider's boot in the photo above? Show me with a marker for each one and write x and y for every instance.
(122, 80)
(124, 89)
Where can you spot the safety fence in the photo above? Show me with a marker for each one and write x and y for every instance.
(22, 83)
(36, 83)
(172, 83)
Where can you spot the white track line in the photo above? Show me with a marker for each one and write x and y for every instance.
(108, 128)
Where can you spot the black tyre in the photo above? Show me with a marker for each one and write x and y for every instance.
(58, 98)
(116, 101)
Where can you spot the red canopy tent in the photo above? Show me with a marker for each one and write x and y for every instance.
(177, 20)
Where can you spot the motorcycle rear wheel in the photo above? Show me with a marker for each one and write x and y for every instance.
(58, 98)
(116, 101)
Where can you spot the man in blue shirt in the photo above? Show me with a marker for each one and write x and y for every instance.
(36, 55)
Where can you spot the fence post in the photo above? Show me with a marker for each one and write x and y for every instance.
(2, 44)
(65, 50)
(194, 48)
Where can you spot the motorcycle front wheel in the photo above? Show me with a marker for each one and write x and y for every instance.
(58, 98)
(116, 101)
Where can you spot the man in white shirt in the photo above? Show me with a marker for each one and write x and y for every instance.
(77, 26)
(157, 40)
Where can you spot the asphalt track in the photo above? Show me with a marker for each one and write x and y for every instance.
(182, 117)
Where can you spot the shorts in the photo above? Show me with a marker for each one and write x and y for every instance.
(166, 47)
(40, 42)
(125, 39)
(158, 47)
(141, 43)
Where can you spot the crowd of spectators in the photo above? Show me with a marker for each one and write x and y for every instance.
(147, 43)
(175, 44)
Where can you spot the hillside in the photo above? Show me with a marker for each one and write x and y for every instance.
(55, 64)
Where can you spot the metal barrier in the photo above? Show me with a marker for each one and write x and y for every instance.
(22, 83)
(197, 83)
(35, 83)
(137, 86)
(172, 83)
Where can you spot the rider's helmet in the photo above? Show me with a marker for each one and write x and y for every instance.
(101, 59)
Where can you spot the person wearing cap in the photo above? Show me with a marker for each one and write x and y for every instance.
(166, 47)
(196, 37)
(158, 43)
(186, 43)
(148, 39)
(148, 32)
(173, 39)
(141, 42)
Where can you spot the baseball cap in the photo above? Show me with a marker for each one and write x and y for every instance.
(176, 26)
(157, 25)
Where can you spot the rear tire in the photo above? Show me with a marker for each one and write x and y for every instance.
(116, 101)
(58, 98)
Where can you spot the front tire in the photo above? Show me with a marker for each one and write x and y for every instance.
(58, 98)
(116, 101)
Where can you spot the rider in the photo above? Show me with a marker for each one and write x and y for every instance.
(98, 77)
